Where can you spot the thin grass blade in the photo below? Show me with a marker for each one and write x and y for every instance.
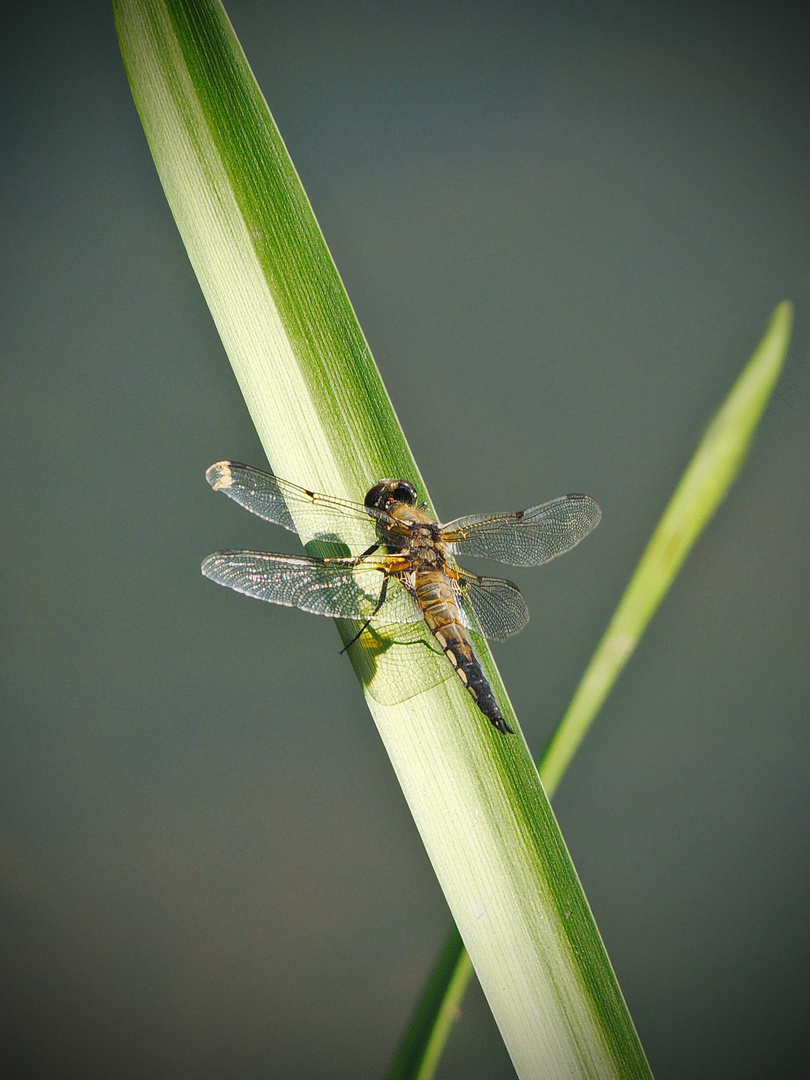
(705, 484)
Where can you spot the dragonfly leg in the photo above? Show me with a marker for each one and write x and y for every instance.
(366, 624)
(369, 551)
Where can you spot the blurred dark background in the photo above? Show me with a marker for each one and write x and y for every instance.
(564, 227)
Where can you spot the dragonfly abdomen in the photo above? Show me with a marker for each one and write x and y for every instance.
(438, 607)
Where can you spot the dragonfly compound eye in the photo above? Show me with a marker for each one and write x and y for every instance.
(405, 493)
(377, 495)
(387, 491)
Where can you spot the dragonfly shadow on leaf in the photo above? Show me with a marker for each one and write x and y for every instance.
(327, 546)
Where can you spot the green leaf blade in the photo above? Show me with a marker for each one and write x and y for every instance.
(326, 423)
(705, 483)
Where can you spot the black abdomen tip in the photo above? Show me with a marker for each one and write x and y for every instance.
(499, 722)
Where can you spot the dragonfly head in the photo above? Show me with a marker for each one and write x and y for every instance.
(385, 492)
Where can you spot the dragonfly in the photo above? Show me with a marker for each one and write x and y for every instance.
(405, 571)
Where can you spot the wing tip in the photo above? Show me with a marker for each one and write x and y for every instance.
(595, 510)
(219, 475)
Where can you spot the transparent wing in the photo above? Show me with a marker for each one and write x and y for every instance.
(339, 588)
(527, 537)
(392, 648)
(498, 606)
(286, 504)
